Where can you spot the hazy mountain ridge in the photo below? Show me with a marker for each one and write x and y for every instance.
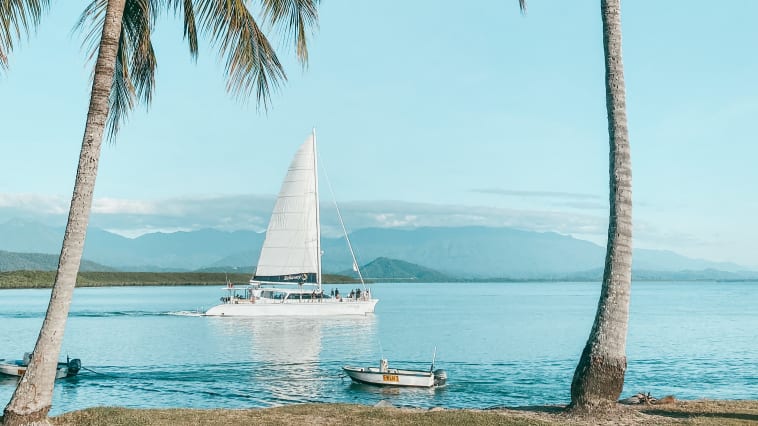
(465, 252)
(11, 261)
(385, 269)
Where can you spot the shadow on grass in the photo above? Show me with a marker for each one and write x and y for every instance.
(550, 409)
(686, 415)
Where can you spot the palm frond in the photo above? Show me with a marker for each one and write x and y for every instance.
(17, 18)
(134, 75)
(91, 24)
(251, 63)
(294, 18)
(121, 98)
(522, 6)
(139, 18)
(187, 10)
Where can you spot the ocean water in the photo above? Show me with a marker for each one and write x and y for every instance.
(502, 344)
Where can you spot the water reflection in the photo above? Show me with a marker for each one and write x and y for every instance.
(293, 359)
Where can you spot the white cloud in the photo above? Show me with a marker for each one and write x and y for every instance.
(537, 194)
(39, 204)
(119, 206)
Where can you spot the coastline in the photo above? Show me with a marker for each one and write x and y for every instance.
(694, 412)
(18, 280)
(44, 279)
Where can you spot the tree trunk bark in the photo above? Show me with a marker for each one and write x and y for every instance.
(599, 376)
(33, 397)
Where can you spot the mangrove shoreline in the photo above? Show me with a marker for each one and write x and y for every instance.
(45, 279)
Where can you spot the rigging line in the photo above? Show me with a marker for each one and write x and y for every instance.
(342, 223)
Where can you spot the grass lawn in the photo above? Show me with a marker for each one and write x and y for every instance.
(700, 412)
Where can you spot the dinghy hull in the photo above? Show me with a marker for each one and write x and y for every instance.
(18, 368)
(393, 377)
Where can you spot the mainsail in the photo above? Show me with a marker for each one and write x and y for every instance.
(290, 251)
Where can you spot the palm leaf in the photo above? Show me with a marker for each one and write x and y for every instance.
(121, 98)
(187, 10)
(134, 75)
(91, 23)
(251, 63)
(17, 18)
(294, 18)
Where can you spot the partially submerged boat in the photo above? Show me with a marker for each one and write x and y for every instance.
(287, 280)
(18, 367)
(385, 376)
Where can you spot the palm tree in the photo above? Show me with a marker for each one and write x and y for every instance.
(599, 376)
(17, 18)
(124, 74)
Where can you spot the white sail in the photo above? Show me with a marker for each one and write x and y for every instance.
(290, 251)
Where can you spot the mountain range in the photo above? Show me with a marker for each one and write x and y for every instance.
(10, 261)
(463, 252)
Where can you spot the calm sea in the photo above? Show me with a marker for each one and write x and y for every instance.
(501, 344)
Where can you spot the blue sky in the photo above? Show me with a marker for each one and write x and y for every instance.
(427, 113)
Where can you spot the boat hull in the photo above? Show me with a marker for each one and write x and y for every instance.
(293, 308)
(13, 368)
(391, 377)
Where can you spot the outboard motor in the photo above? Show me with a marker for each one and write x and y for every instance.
(74, 365)
(440, 377)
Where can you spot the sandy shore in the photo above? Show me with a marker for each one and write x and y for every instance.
(700, 412)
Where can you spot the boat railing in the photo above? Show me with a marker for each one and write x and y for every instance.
(236, 295)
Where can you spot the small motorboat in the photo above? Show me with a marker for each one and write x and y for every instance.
(18, 367)
(385, 376)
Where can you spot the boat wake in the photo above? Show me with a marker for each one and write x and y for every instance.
(111, 314)
(186, 313)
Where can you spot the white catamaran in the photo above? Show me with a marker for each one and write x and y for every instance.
(287, 280)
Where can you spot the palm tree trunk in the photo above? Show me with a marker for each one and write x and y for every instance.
(599, 376)
(33, 397)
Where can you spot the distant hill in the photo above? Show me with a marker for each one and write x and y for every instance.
(385, 269)
(480, 251)
(169, 251)
(466, 252)
(24, 236)
(10, 261)
(178, 251)
(228, 269)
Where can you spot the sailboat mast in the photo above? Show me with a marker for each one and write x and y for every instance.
(318, 214)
